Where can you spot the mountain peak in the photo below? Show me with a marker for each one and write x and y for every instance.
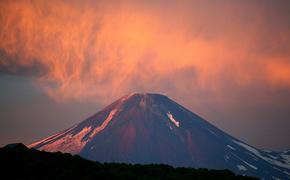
(141, 100)
(143, 95)
(150, 128)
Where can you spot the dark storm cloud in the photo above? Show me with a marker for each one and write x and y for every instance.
(9, 66)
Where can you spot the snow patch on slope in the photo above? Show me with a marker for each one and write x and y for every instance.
(273, 157)
(41, 141)
(286, 158)
(72, 143)
(241, 167)
(232, 148)
(128, 96)
(69, 143)
(226, 157)
(257, 153)
(287, 173)
(212, 132)
(104, 124)
(171, 118)
(248, 164)
(50, 138)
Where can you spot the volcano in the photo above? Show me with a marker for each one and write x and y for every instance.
(149, 128)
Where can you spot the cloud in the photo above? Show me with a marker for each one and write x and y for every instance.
(102, 50)
(9, 66)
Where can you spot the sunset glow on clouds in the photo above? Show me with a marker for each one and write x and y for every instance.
(95, 49)
(213, 52)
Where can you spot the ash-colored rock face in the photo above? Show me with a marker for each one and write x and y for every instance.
(151, 128)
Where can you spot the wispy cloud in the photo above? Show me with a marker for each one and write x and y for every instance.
(102, 49)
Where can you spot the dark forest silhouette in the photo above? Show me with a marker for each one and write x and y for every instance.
(19, 162)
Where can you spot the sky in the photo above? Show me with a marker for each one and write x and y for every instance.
(228, 61)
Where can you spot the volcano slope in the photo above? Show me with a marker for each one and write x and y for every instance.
(151, 128)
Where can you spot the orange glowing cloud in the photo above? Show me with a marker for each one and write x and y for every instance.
(102, 50)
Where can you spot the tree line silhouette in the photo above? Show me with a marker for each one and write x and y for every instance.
(19, 162)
